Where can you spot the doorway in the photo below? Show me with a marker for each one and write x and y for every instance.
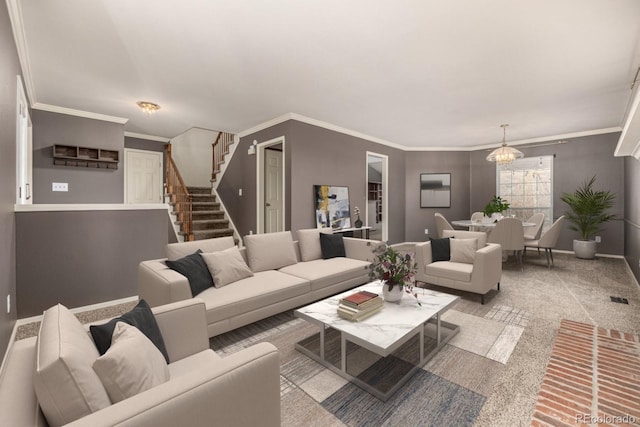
(377, 211)
(142, 176)
(24, 149)
(270, 176)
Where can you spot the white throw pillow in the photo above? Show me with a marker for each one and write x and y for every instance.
(131, 365)
(226, 266)
(309, 243)
(270, 251)
(463, 250)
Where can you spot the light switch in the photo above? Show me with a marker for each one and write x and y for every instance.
(59, 186)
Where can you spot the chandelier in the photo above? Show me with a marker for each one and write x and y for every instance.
(504, 155)
(148, 107)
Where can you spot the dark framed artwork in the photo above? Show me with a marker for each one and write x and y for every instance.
(332, 206)
(435, 190)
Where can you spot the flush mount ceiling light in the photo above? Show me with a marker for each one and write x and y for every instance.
(504, 155)
(148, 107)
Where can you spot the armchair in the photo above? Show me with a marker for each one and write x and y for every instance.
(478, 271)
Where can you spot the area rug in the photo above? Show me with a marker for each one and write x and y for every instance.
(450, 390)
(592, 378)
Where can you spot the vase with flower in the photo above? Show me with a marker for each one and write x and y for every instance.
(396, 270)
(358, 221)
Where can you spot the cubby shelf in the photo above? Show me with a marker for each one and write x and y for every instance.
(72, 155)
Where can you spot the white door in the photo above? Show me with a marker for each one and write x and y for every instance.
(24, 149)
(143, 176)
(273, 197)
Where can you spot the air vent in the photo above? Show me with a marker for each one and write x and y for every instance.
(619, 300)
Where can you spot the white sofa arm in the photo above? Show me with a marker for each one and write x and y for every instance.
(240, 390)
(158, 284)
(487, 265)
(423, 258)
(183, 326)
(361, 249)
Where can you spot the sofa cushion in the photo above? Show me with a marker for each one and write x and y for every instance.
(195, 270)
(226, 266)
(263, 289)
(66, 384)
(309, 243)
(176, 251)
(270, 251)
(141, 317)
(450, 270)
(132, 364)
(463, 250)
(463, 234)
(322, 273)
(440, 249)
(332, 246)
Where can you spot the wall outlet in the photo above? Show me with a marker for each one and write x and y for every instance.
(598, 239)
(240, 192)
(426, 231)
(250, 231)
(59, 186)
(8, 303)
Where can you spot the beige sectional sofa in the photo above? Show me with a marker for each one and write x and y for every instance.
(286, 274)
(473, 268)
(202, 389)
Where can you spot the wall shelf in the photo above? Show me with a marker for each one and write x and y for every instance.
(72, 155)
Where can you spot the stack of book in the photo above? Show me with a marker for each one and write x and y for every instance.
(360, 305)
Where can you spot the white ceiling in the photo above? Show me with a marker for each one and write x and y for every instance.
(416, 73)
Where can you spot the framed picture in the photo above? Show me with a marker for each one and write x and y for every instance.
(332, 206)
(435, 190)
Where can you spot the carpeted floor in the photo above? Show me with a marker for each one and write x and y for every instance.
(489, 375)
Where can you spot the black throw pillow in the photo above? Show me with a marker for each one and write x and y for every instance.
(195, 270)
(332, 246)
(141, 317)
(440, 249)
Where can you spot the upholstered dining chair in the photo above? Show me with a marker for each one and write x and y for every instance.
(533, 232)
(547, 241)
(442, 224)
(509, 233)
(477, 215)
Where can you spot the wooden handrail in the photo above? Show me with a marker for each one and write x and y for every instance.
(180, 195)
(220, 148)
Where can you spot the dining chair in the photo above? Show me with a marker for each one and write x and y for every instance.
(442, 224)
(509, 233)
(477, 215)
(547, 241)
(533, 232)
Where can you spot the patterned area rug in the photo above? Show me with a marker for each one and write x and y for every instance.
(450, 390)
(593, 378)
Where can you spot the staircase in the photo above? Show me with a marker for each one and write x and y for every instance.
(207, 218)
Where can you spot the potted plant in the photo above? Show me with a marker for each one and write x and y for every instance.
(588, 211)
(396, 270)
(494, 208)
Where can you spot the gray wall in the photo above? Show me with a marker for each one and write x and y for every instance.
(314, 155)
(632, 214)
(79, 258)
(144, 144)
(574, 162)
(86, 185)
(9, 69)
(417, 218)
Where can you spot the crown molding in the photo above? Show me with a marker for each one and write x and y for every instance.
(148, 137)
(15, 16)
(78, 113)
(551, 137)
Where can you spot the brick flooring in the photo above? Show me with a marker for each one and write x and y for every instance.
(593, 378)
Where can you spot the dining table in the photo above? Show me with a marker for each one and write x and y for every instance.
(470, 224)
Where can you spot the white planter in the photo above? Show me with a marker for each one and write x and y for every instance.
(393, 295)
(585, 249)
(493, 218)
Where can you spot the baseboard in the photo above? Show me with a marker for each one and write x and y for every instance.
(633, 276)
(560, 251)
(80, 309)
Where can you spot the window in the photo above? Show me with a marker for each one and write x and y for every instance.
(527, 184)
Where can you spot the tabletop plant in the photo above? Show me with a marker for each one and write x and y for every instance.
(394, 269)
(495, 205)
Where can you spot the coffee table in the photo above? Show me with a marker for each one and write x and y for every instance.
(382, 352)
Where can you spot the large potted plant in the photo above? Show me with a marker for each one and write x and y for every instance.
(588, 211)
(493, 211)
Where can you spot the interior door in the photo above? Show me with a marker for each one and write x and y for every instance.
(143, 176)
(24, 149)
(273, 197)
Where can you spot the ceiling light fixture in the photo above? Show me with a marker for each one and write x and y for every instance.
(504, 155)
(148, 107)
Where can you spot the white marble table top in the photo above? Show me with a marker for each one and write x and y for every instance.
(469, 223)
(385, 328)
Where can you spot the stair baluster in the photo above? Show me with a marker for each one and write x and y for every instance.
(180, 197)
